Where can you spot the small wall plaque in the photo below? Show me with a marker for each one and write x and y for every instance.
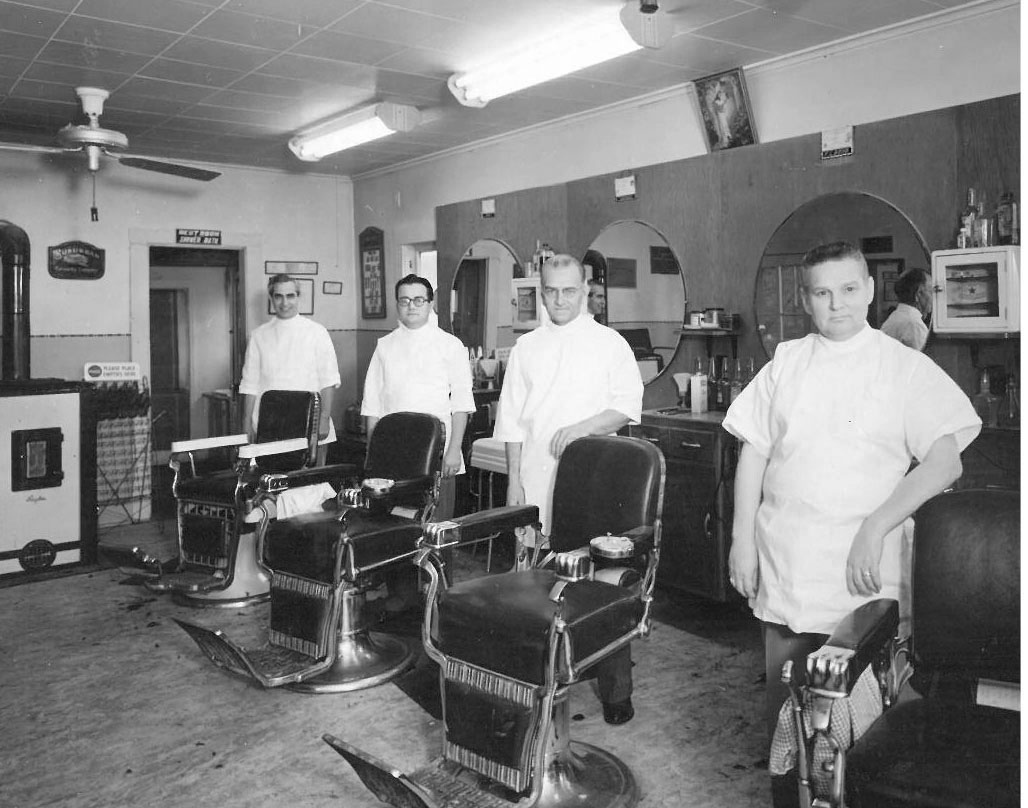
(624, 187)
(837, 143)
(76, 261)
(488, 208)
(193, 236)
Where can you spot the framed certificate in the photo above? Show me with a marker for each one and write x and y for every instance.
(371, 244)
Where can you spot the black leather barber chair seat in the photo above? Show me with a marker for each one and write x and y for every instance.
(511, 645)
(956, 742)
(323, 564)
(638, 340)
(219, 513)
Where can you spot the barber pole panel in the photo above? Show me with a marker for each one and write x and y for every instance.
(40, 479)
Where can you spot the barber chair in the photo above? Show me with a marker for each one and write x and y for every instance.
(220, 511)
(638, 340)
(323, 565)
(957, 743)
(511, 645)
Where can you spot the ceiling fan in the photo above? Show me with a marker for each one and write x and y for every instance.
(94, 140)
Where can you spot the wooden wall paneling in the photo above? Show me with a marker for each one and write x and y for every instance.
(989, 149)
(521, 218)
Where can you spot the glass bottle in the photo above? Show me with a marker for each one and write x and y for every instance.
(698, 388)
(712, 384)
(1007, 225)
(985, 403)
(966, 225)
(736, 385)
(724, 384)
(1012, 415)
(984, 224)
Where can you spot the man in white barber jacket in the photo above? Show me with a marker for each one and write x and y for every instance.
(567, 379)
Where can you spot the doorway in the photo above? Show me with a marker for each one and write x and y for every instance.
(197, 346)
(468, 310)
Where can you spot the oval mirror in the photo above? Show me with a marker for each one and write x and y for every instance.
(889, 241)
(480, 309)
(639, 291)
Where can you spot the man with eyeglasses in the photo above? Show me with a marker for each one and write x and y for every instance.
(418, 367)
(290, 353)
(567, 379)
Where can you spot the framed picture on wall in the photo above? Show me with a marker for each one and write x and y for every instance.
(725, 110)
(306, 288)
(372, 267)
(291, 267)
(621, 273)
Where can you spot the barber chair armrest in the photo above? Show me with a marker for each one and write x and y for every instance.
(202, 444)
(834, 668)
(277, 483)
(479, 525)
(642, 537)
(399, 488)
(252, 450)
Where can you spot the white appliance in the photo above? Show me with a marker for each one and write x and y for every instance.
(977, 291)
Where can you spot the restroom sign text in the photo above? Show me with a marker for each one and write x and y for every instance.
(190, 236)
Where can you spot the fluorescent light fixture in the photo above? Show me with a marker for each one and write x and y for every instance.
(594, 39)
(352, 129)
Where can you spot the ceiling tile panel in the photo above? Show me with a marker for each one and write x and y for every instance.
(70, 77)
(693, 14)
(236, 99)
(849, 16)
(770, 31)
(246, 29)
(20, 47)
(70, 53)
(633, 70)
(696, 53)
(323, 71)
(171, 70)
(424, 62)
(594, 93)
(42, 91)
(53, 5)
(143, 87)
(395, 25)
(92, 33)
(316, 13)
(20, 19)
(411, 86)
(168, 15)
(12, 66)
(347, 48)
(218, 54)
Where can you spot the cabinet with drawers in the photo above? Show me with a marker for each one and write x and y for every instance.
(700, 458)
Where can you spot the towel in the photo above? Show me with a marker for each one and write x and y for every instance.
(305, 499)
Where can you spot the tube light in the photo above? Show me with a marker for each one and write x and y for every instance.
(590, 41)
(352, 129)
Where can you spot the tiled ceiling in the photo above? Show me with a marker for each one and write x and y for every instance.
(229, 81)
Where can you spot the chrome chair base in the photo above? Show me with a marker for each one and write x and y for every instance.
(218, 599)
(363, 659)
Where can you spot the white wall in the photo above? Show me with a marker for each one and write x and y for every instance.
(957, 57)
(268, 215)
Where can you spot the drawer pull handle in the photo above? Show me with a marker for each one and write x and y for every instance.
(687, 445)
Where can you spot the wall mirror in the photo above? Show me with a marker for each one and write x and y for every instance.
(645, 291)
(480, 301)
(889, 241)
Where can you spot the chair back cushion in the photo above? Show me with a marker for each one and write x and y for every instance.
(285, 414)
(605, 484)
(966, 585)
(405, 445)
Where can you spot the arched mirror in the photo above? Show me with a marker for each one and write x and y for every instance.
(888, 239)
(480, 309)
(644, 287)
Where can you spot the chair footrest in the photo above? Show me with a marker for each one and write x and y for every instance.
(189, 581)
(464, 790)
(271, 665)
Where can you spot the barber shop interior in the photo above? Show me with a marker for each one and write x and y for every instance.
(485, 404)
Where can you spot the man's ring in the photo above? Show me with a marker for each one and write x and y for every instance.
(866, 573)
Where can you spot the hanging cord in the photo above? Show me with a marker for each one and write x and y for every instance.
(94, 214)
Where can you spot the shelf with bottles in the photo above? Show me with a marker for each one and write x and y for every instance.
(710, 334)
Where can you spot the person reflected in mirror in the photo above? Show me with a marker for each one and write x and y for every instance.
(290, 352)
(597, 301)
(569, 378)
(907, 322)
(824, 485)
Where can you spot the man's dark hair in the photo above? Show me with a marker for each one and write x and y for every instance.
(275, 280)
(908, 284)
(834, 251)
(412, 278)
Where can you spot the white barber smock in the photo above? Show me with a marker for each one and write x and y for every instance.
(291, 354)
(558, 376)
(906, 325)
(839, 423)
(419, 370)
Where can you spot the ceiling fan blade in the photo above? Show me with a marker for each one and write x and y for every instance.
(170, 168)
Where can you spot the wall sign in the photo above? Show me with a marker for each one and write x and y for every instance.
(76, 261)
(837, 143)
(191, 236)
(110, 371)
(290, 267)
(372, 251)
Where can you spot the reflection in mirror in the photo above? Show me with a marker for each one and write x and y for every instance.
(480, 305)
(888, 239)
(644, 288)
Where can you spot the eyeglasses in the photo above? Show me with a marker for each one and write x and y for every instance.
(417, 302)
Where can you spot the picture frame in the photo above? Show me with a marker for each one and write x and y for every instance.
(331, 287)
(290, 267)
(621, 273)
(306, 289)
(372, 273)
(725, 110)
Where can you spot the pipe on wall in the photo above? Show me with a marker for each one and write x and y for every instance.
(14, 302)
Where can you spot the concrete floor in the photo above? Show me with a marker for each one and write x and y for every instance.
(105, 702)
